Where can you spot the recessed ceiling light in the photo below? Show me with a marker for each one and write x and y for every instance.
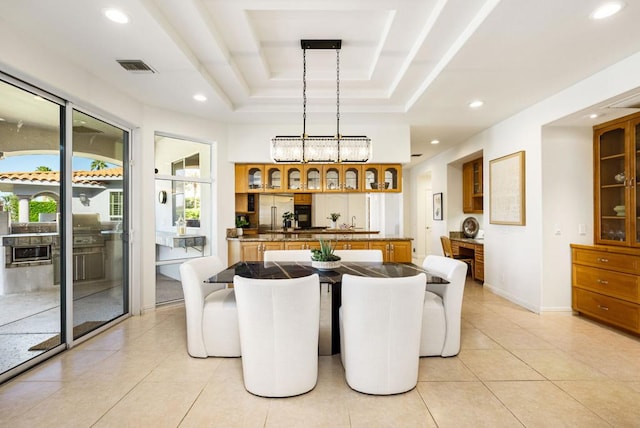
(199, 97)
(476, 104)
(435, 141)
(607, 9)
(116, 16)
(1, 119)
(593, 116)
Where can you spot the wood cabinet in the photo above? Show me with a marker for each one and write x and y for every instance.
(382, 178)
(470, 249)
(616, 185)
(250, 251)
(393, 250)
(302, 199)
(342, 178)
(311, 178)
(606, 284)
(472, 187)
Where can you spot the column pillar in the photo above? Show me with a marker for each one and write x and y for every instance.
(23, 208)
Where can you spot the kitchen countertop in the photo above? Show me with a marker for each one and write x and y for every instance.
(314, 236)
(323, 231)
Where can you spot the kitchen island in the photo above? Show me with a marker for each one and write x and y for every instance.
(252, 247)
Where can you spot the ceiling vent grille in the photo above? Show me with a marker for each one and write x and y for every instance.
(632, 101)
(135, 66)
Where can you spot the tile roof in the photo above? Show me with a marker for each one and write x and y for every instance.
(86, 177)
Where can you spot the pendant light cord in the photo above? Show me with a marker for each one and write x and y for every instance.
(304, 94)
(338, 94)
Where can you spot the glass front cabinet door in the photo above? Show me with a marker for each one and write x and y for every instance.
(273, 178)
(351, 178)
(617, 154)
(255, 177)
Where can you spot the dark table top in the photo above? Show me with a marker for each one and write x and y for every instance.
(284, 270)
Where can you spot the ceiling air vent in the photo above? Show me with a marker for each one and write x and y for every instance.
(632, 101)
(135, 66)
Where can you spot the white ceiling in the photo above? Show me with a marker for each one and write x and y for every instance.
(416, 61)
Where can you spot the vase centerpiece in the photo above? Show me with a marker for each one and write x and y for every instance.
(324, 258)
(287, 220)
(334, 220)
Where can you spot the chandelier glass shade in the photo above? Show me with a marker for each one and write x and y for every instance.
(323, 148)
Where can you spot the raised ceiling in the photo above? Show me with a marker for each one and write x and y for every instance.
(416, 61)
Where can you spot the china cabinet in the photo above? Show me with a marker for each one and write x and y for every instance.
(472, 190)
(342, 178)
(616, 159)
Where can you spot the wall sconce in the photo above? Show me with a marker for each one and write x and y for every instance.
(84, 199)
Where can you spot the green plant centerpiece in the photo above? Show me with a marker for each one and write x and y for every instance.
(334, 220)
(324, 258)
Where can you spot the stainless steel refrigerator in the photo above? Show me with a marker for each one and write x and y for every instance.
(271, 209)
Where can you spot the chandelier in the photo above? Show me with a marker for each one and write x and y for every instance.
(320, 148)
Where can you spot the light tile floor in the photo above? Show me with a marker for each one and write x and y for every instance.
(515, 368)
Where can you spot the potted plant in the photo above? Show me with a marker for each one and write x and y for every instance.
(241, 223)
(334, 219)
(324, 258)
(287, 219)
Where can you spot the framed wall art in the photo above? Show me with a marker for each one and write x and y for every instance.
(507, 190)
(437, 206)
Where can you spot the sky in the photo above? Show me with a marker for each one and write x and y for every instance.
(26, 163)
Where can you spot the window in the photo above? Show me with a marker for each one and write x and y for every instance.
(115, 205)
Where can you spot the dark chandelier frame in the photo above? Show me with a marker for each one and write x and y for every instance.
(320, 148)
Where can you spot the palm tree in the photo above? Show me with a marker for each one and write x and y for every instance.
(98, 165)
(43, 169)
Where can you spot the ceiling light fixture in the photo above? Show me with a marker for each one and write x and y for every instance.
(116, 15)
(593, 116)
(200, 97)
(320, 148)
(607, 9)
(476, 104)
(435, 141)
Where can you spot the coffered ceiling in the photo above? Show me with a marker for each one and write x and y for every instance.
(414, 61)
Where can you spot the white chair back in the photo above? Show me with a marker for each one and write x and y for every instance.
(287, 256)
(193, 273)
(380, 322)
(359, 255)
(279, 321)
(454, 271)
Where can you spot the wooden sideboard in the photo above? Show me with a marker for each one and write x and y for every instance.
(605, 284)
(472, 248)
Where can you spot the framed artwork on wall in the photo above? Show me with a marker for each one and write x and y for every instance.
(437, 206)
(507, 189)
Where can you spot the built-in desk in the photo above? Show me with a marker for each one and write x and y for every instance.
(472, 248)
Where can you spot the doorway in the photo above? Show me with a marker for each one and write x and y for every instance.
(424, 219)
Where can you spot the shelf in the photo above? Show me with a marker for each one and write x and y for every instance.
(618, 156)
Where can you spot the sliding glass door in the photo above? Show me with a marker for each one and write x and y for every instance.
(31, 289)
(98, 223)
(63, 225)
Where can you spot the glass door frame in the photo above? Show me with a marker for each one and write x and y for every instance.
(66, 228)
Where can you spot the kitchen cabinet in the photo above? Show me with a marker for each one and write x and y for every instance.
(382, 178)
(306, 178)
(251, 251)
(302, 245)
(616, 189)
(393, 250)
(314, 178)
(605, 284)
(302, 199)
(352, 245)
(472, 187)
(259, 178)
(342, 178)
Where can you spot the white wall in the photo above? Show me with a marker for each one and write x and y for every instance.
(567, 169)
(528, 264)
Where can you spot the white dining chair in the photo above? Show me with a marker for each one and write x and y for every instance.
(287, 256)
(380, 322)
(279, 320)
(359, 255)
(212, 317)
(442, 316)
